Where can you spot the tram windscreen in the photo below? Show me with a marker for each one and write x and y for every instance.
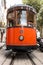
(18, 18)
(21, 18)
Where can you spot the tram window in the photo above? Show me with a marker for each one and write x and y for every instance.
(8, 24)
(21, 18)
(11, 23)
(30, 16)
(11, 20)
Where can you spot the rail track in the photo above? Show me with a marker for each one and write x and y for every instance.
(29, 58)
(6, 57)
(13, 55)
(2, 46)
(33, 63)
(38, 59)
(33, 59)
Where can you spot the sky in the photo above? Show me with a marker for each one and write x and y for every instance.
(12, 2)
(9, 3)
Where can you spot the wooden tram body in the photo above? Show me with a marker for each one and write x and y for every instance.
(21, 35)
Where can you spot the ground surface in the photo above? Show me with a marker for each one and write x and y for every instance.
(20, 58)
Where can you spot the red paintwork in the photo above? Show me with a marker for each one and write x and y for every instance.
(12, 37)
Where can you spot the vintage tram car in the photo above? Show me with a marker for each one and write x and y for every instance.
(21, 32)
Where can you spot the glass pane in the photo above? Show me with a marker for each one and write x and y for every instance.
(21, 18)
(18, 18)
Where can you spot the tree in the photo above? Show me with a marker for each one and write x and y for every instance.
(40, 20)
(35, 3)
(41, 2)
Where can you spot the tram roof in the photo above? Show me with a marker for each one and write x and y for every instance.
(29, 7)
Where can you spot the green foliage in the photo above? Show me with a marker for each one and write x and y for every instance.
(35, 3)
(41, 2)
(38, 5)
(40, 17)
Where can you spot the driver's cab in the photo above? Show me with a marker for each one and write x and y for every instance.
(21, 17)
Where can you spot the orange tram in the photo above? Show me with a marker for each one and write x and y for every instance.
(21, 34)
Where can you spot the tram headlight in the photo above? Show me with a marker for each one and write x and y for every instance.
(21, 38)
